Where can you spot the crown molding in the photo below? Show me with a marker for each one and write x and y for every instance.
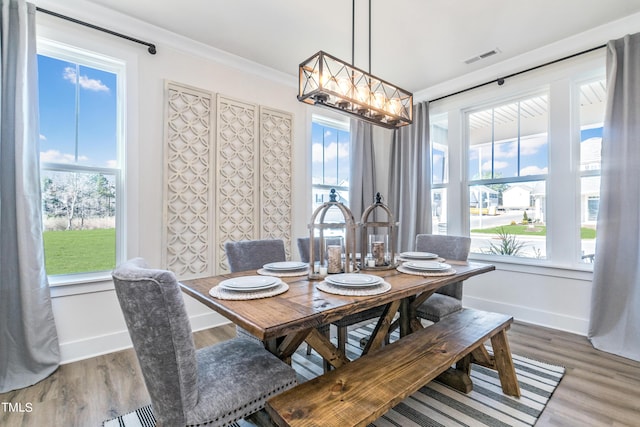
(163, 39)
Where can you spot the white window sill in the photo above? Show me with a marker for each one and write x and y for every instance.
(62, 286)
(535, 266)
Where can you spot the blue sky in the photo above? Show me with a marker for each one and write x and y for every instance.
(97, 107)
(335, 145)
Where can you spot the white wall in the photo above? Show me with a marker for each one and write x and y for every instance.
(88, 317)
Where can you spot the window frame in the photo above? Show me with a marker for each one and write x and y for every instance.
(84, 57)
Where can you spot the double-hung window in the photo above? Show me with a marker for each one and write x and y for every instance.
(81, 141)
(517, 166)
(330, 167)
(507, 169)
(592, 96)
(439, 134)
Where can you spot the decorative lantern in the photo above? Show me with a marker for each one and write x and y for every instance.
(332, 245)
(378, 238)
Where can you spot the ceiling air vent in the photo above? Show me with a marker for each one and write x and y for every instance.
(481, 56)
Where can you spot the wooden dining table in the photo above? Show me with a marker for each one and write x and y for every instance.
(283, 322)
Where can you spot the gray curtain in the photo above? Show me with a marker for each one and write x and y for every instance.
(363, 174)
(615, 299)
(29, 348)
(410, 178)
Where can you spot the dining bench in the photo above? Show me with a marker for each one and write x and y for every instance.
(361, 391)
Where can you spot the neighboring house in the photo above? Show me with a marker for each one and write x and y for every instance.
(529, 197)
(517, 197)
(488, 196)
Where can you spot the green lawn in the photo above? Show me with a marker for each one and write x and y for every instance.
(79, 251)
(536, 230)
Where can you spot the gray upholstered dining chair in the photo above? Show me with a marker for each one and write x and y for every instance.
(447, 299)
(247, 255)
(349, 320)
(215, 385)
(253, 254)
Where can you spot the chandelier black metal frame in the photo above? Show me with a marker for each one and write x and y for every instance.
(327, 81)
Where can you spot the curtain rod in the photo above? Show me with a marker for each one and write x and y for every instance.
(152, 47)
(500, 80)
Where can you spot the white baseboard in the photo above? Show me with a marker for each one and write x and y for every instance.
(109, 343)
(531, 315)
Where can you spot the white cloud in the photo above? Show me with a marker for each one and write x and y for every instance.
(112, 163)
(530, 146)
(42, 137)
(501, 153)
(342, 150)
(486, 166)
(54, 156)
(533, 170)
(84, 81)
(500, 165)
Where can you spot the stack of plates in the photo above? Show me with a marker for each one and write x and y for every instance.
(418, 255)
(432, 266)
(285, 266)
(353, 280)
(250, 283)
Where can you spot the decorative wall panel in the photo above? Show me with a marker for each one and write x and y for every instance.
(237, 191)
(188, 182)
(276, 135)
(227, 177)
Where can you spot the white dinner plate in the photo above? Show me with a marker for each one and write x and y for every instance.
(353, 279)
(418, 255)
(427, 265)
(250, 283)
(285, 266)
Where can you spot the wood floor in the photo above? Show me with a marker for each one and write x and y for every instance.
(598, 389)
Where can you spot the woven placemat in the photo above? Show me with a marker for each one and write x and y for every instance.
(265, 272)
(358, 292)
(221, 293)
(448, 272)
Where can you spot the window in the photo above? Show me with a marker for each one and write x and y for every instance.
(592, 102)
(439, 134)
(522, 169)
(330, 144)
(80, 159)
(507, 167)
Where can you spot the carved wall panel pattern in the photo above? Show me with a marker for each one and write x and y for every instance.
(276, 136)
(189, 182)
(237, 194)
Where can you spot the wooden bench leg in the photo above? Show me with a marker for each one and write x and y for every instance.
(458, 378)
(504, 364)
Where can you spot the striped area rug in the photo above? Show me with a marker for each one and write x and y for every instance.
(438, 405)
(434, 405)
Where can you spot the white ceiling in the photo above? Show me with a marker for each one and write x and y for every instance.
(416, 44)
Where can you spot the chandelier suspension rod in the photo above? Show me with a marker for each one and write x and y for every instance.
(353, 33)
(369, 36)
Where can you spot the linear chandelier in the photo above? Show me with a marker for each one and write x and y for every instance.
(327, 81)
